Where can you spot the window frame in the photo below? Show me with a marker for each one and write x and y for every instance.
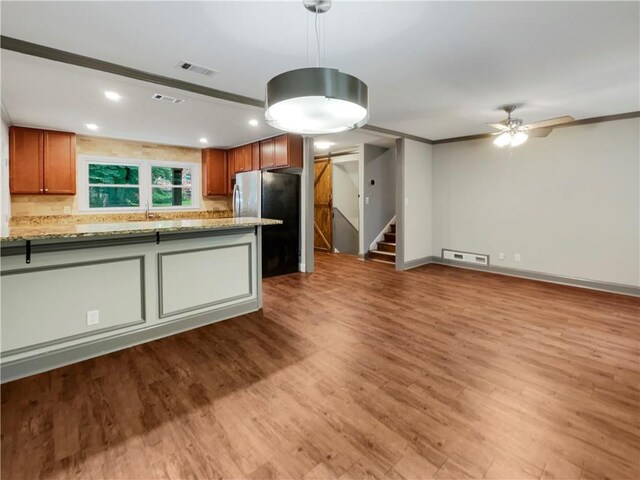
(144, 184)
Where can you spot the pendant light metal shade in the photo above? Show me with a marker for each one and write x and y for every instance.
(316, 100)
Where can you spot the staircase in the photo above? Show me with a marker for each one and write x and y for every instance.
(386, 251)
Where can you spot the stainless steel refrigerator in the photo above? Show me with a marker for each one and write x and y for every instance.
(272, 195)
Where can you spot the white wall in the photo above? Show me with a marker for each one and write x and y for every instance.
(416, 185)
(379, 165)
(345, 186)
(567, 203)
(5, 199)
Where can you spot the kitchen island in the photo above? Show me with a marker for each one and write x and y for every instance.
(71, 292)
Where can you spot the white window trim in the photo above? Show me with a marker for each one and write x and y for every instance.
(144, 178)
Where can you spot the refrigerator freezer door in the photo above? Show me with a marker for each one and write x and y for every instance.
(280, 243)
(247, 198)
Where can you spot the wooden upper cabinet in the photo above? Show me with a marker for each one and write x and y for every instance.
(280, 151)
(242, 158)
(215, 172)
(42, 161)
(287, 151)
(231, 161)
(59, 163)
(267, 154)
(255, 156)
(26, 155)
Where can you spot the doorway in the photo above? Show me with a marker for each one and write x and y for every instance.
(323, 205)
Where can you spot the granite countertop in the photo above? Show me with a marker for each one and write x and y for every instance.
(47, 232)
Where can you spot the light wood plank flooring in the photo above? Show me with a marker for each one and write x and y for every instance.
(356, 371)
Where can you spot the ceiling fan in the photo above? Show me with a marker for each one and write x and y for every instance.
(513, 132)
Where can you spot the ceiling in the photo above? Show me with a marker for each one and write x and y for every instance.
(352, 140)
(434, 69)
(46, 94)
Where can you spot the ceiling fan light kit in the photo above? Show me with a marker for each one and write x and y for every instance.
(510, 139)
(316, 100)
(513, 132)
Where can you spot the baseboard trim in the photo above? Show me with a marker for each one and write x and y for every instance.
(418, 262)
(42, 362)
(546, 277)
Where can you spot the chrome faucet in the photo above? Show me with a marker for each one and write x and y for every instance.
(147, 213)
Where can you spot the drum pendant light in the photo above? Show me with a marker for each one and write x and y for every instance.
(316, 100)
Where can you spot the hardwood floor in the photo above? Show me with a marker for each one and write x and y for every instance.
(355, 371)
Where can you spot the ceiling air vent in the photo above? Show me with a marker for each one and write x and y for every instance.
(195, 68)
(166, 98)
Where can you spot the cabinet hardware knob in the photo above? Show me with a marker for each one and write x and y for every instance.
(46, 189)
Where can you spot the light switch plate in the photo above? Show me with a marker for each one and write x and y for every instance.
(93, 317)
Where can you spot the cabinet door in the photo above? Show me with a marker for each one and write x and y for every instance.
(247, 153)
(26, 156)
(267, 154)
(280, 149)
(242, 156)
(294, 151)
(255, 156)
(59, 163)
(238, 159)
(214, 172)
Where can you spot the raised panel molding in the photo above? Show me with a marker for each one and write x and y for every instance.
(203, 289)
(23, 300)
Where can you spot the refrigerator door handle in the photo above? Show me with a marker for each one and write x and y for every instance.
(235, 200)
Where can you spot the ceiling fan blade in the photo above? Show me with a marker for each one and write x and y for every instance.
(499, 126)
(539, 132)
(550, 122)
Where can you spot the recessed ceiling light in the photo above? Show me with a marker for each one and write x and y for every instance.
(204, 140)
(92, 126)
(253, 122)
(113, 96)
(323, 145)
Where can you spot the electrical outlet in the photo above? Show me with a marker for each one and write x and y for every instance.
(516, 257)
(366, 200)
(501, 256)
(93, 317)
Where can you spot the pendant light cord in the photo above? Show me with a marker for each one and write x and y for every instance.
(317, 40)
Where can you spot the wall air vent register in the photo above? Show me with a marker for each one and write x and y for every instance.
(465, 257)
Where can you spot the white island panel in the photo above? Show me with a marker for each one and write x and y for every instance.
(201, 278)
(48, 305)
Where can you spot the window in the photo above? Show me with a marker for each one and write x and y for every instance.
(113, 184)
(171, 186)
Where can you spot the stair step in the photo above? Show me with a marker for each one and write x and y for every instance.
(390, 237)
(393, 228)
(387, 247)
(387, 262)
(381, 256)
